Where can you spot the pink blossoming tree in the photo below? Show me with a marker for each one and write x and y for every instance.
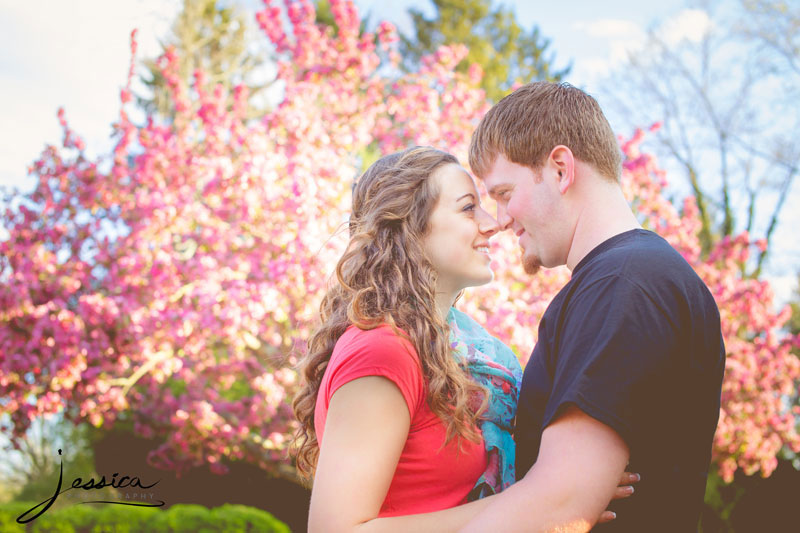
(170, 285)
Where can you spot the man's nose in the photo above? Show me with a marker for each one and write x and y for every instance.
(504, 220)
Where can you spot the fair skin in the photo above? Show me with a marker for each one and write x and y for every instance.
(364, 439)
(559, 213)
(363, 442)
(457, 243)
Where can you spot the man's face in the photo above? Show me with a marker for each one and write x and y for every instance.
(530, 205)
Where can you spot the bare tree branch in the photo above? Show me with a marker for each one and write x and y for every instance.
(726, 108)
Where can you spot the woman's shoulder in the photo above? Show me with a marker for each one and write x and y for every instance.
(381, 341)
(380, 333)
(377, 351)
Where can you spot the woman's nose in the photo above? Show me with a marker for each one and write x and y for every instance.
(488, 225)
(504, 220)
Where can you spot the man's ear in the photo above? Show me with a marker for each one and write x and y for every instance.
(562, 163)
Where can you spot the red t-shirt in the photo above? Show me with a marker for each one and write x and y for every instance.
(428, 477)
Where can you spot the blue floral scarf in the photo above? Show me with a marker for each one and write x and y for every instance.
(493, 365)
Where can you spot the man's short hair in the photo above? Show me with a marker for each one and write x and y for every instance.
(528, 123)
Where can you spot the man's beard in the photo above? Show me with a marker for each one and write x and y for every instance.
(531, 264)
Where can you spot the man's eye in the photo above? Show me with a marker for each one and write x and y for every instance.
(501, 195)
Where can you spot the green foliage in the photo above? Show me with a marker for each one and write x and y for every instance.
(241, 519)
(720, 500)
(35, 468)
(794, 322)
(324, 16)
(793, 325)
(507, 52)
(214, 38)
(82, 517)
(186, 518)
(123, 518)
(237, 391)
(180, 518)
(9, 513)
(176, 386)
(51, 523)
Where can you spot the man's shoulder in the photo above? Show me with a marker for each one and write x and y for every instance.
(644, 259)
(635, 247)
(634, 271)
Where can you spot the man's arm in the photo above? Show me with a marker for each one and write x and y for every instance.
(574, 478)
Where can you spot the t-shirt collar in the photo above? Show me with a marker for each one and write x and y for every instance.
(605, 245)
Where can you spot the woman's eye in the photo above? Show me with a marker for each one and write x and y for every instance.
(470, 207)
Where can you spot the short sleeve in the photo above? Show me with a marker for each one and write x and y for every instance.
(377, 352)
(616, 344)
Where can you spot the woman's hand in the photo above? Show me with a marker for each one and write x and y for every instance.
(624, 490)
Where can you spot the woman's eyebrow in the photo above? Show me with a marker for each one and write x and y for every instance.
(464, 196)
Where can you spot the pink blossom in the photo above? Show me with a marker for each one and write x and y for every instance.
(189, 317)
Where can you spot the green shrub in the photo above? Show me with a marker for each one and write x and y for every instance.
(124, 519)
(82, 517)
(181, 518)
(184, 518)
(51, 522)
(243, 519)
(9, 513)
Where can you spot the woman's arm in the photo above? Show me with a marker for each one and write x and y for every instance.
(365, 431)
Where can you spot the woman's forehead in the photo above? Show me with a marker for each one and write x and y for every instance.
(454, 181)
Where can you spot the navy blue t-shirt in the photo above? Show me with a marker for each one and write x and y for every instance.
(634, 341)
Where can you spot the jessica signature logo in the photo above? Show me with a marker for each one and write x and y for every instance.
(78, 483)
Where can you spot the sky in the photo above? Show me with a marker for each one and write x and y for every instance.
(75, 55)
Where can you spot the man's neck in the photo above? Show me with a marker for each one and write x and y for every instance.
(605, 215)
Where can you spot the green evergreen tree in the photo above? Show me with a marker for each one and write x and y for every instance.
(213, 37)
(507, 52)
(794, 322)
(324, 16)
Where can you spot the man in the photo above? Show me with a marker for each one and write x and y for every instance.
(629, 361)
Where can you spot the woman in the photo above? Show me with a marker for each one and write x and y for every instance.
(396, 382)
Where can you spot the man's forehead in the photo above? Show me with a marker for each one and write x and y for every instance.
(505, 174)
(497, 178)
(497, 168)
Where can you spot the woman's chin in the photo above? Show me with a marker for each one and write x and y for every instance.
(483, 280)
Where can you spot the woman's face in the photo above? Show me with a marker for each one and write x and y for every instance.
(457, 242)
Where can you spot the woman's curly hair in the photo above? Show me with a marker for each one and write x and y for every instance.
(385, 277)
